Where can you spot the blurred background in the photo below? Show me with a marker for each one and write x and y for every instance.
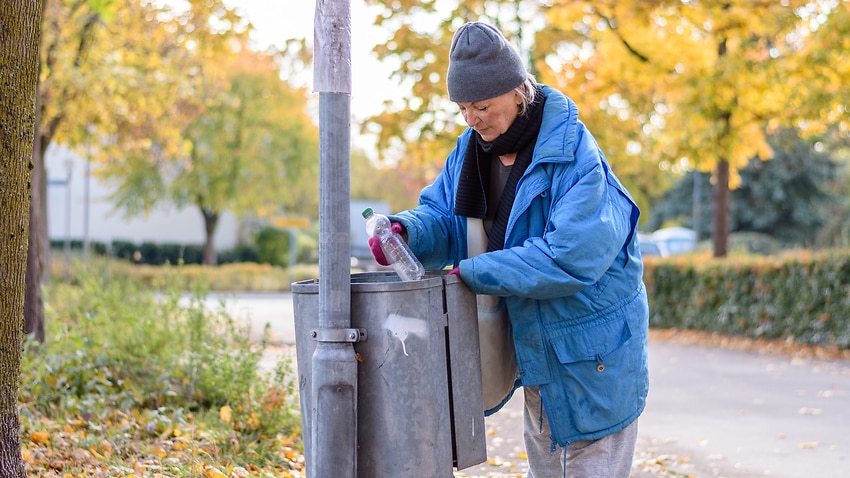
(191, 126)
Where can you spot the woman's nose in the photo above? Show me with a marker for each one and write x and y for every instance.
(470, 118)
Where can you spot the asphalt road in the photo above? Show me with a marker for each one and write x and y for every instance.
(711, 412)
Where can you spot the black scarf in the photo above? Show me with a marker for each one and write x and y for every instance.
(474, 181)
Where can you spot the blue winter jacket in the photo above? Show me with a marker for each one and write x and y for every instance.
(570, 274)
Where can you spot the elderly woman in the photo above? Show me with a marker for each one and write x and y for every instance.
(530, 215)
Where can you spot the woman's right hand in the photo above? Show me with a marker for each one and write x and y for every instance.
(375, 244)
(377, 252)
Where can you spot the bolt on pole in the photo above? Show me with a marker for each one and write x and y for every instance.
(333, 406)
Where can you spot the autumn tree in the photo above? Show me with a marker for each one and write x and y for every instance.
(251, 150)
(818, 75)
(665, 87)
(420, 129)
(399, 187)
(108, 72)
(19, 41)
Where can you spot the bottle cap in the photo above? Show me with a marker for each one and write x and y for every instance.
(367, 212)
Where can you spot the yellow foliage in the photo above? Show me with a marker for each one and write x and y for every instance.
(225, 414)
(665, 87)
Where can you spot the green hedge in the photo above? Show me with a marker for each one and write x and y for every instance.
(96, 247)
(804, 297)
(152, 253)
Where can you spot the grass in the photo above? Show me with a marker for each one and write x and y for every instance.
(138, 381)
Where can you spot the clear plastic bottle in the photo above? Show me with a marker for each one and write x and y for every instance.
(397, 252)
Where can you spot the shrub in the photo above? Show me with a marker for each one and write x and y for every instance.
(272, 246)
(114, 345)
(240, 253)
(802, 296)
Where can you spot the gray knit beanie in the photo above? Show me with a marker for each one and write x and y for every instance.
(482, 64)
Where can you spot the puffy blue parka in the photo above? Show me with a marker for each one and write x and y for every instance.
(570, 274)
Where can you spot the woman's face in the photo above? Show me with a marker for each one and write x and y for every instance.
(493, 116)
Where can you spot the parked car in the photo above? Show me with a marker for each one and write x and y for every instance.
(668, 242)
(676, 240)
(649, 247)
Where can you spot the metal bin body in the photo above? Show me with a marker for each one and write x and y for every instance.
(419, 405)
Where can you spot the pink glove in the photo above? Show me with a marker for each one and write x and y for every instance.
(377, 252)
(455, 271)
(375, 244)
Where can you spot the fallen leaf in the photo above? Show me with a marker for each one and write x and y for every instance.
(213, 472)
(239, 472)
(106, 448)
(40, 437)
(290, 453)
(225, 413)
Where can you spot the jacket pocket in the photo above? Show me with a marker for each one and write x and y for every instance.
(597, 376)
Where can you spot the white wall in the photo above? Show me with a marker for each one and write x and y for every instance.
(105, 224)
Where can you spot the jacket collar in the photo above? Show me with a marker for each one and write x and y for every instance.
(558, 132)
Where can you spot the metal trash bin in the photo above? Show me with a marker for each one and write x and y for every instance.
(419, 404)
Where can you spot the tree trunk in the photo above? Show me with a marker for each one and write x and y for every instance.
(720, 221)
(20, 23)
(33, 299)
(38, 256)
(39, 244)
(210, 225)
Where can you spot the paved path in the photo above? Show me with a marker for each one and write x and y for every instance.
(711, 412)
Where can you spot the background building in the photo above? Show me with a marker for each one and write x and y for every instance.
(66, 213)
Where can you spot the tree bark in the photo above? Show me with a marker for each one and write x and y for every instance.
(720, 221)
(210, 225)
(38, 256)
(720, 194)
(20, 34)
(33, 299)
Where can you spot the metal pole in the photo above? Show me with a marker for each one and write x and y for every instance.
(334, 366)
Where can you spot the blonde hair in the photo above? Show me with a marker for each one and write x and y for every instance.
(526, 91)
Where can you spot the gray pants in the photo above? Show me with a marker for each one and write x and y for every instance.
(607, 457)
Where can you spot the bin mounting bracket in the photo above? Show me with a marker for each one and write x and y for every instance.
(339, 335)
